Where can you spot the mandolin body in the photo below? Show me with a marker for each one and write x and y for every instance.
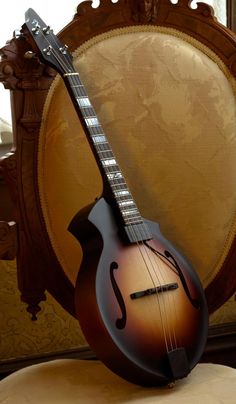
(139, 302)
(144, 331)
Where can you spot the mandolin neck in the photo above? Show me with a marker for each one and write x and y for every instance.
(55, 54)
(103, 153)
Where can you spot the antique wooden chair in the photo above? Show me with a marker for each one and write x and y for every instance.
(173, 132)
(162, 79)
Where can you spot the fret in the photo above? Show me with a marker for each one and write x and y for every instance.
(130, 208)
(114, 169)
(73, 79)
(125, 197)
(128, 202)
(100, 145)
(88, 112)
(79, 91)
(96, 130)
(133, 222)
(119, 183)
(103, 148)
(104, 152)
(77, 85)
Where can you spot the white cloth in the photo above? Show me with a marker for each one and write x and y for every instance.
(68, 381)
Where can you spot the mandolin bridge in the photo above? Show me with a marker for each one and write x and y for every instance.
(152, 291)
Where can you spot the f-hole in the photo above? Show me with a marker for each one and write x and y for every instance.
(120, 322)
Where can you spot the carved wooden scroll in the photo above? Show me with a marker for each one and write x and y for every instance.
(29, 81)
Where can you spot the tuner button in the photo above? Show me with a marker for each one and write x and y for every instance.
(35, 31)
(36, 28)
(47, 30)
(63, 49)
(17, 34)
(48, 50)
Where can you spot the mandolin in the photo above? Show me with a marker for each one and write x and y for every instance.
(139, 302)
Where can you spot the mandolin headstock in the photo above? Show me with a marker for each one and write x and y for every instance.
(46, 44)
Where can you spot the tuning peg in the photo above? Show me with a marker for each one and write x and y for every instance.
(48, 50)
(63, 49)
(29, 55)
(47, 30)
(36, 28)
(17, 34)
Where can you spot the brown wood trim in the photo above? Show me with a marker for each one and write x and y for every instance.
(221, 345)
(231, 15)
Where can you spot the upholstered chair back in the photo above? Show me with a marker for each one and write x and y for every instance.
(167, 105)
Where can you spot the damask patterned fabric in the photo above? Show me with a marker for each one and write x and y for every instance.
(167, 105)
(54, 331)
(71, 381)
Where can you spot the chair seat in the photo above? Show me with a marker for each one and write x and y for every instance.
(79, 381)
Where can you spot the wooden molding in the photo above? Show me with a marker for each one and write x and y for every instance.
(221, 345)
(29, 81)
(231, 15)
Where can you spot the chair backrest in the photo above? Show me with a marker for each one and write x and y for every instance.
(161, 77)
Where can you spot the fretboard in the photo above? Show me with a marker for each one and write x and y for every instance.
(104, 154)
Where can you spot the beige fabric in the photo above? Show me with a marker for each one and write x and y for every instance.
(74, 381)
(168, 110)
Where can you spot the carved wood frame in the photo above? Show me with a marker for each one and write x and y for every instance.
(231, 15)
(29, 82)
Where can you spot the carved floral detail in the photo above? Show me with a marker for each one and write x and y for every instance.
(205, 10)
(144, 11)
(18, 72)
